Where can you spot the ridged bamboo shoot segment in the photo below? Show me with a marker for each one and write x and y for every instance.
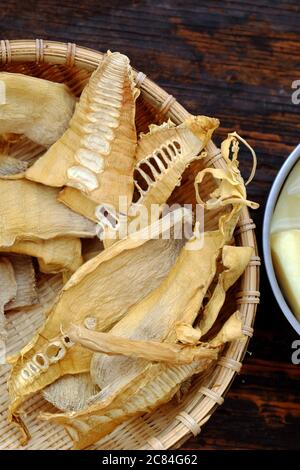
(165, 152)
(37, 108)
(97, 152)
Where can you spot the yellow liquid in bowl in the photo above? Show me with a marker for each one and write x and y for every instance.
(285, 239)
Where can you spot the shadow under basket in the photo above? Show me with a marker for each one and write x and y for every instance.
(172, 424)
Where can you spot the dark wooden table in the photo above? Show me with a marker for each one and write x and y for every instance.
(235, 60)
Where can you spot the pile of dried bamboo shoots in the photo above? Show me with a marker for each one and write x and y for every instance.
(138, 312)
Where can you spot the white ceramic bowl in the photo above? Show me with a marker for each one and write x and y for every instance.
(271, 203)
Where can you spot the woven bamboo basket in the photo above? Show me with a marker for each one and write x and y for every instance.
(172, 424)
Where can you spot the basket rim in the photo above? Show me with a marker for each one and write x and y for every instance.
(184, 425)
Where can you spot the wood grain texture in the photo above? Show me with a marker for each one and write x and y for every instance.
(235, 60)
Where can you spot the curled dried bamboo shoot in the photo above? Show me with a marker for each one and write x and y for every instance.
(150, 350)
